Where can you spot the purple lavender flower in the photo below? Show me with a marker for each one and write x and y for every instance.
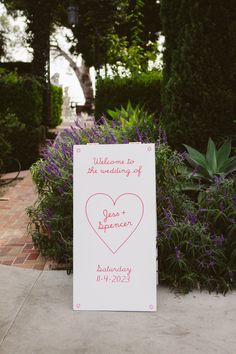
(55, 168)
(113, 137)
(47, 213)
(201, 264)
(231, 221)
(222, 207)
(75, 136)
(166, 227)
(183, 155)
(103, 119)
(51, 171)
(170, 205)
(203, 210)
(217, 180)
(177, 252)
(168, 216)
(139, 135)
(64, 150)
(211, 264)
(219, 240)
(60, 190)
(194, 172)
(164, 138)
(192, 218)
(208, 252)
(234, 200)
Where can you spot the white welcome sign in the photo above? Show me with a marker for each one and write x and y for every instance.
(114, 257)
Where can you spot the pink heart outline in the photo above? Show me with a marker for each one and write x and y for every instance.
(114, 203)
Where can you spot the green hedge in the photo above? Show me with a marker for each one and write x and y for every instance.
(56, 106)
(21, 96)
(199, 77)
(144, 89)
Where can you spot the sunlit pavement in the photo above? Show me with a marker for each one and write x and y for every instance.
(36, 317)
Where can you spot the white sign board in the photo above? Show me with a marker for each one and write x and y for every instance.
(114, 256)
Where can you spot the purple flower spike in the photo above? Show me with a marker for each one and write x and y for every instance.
(192, 218)
(168, 216)
(164, 138)
(217, 180)
(177, 252)
(222, 207)
(139, 135)
(234, 200)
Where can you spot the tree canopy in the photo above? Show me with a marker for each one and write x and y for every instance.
(199, 86)
(130, 21)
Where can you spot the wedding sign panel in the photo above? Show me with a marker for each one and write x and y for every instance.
(114, 254)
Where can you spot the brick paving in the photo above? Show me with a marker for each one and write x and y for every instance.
(16, 246)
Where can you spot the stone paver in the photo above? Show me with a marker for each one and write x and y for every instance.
(16, 246)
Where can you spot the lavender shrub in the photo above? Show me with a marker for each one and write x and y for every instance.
(196, 240)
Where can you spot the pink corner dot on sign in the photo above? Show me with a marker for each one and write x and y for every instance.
(149, 148)
(151, 307)
(78, 306)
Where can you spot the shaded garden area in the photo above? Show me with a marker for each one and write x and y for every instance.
(181, 97)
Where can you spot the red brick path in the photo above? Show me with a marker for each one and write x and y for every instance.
(16, 246)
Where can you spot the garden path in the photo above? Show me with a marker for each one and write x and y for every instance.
(16, 246)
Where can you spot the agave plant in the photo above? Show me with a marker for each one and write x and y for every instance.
(216, 163)
(131, 115)
(135, 118)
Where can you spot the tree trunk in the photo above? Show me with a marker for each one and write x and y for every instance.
(82, 74)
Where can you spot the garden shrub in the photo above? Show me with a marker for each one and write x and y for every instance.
(196, 235)
(199, 86)
(196, 240)
(143, 89)
(56, 106)
(21, 97)
(10, 126)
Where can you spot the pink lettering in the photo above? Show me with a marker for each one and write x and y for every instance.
(130, 161)
(106, 161)
(109, 215)
(106, 227)
(92, 170)
(117, 170)
(138, 171)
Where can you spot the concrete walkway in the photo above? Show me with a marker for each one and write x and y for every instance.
(36, 317)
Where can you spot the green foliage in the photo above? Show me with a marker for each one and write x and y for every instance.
(56, 105)
(199, 85)
(196, 240)
(143, 89)
(21, 95)
(51, 216)
(10, 127)
(20, 115)
(214, 163)
(132, 49)
(134, 116)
